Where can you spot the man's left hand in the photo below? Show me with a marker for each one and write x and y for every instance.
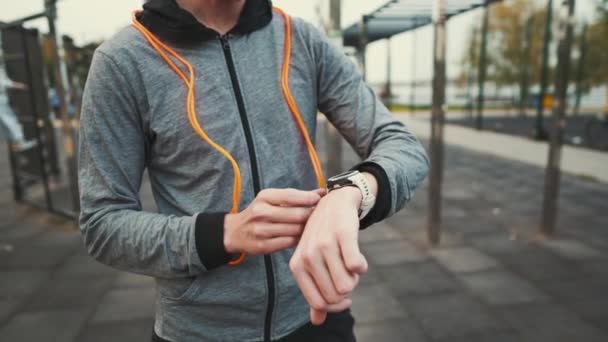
(327, 262)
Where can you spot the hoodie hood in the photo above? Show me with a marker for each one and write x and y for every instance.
(173, 24)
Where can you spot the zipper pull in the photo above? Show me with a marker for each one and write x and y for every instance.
(225, 43)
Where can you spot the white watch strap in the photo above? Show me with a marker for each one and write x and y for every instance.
(368, 200)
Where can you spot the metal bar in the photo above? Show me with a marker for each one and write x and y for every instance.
(68, 135)
(389, 74)
(580, 73)
(362, 45)
(525, 75)
(553, 172)
(332, 138)
(471, 75)
(482, 69)
(34, 109)
(21, 21)
(540, 132)
(17, 191)
(414, 66)
(437, 123)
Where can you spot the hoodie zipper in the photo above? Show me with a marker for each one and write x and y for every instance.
(255, 175)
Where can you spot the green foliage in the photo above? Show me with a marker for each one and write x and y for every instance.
(510, 46)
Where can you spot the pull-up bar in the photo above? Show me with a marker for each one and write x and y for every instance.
(398, 16)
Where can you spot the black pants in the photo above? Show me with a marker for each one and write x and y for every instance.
(338, 327)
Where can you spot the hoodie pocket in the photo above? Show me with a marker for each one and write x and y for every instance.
(183, 290)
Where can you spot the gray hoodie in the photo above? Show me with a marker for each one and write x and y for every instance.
(134, 118)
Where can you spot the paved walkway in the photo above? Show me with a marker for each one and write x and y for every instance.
(492, 279)
(576, 160)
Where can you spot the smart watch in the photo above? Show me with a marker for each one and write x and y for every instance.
(354, 179)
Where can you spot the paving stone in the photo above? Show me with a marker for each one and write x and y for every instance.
(125, 304)
(20, 231)
(47, 250)
(445, 316)
(131, 280)
(507, 336)
(21, 283)
(457, 193)
(56, 325)
(373, 276)
(500, 287)
(592, 310)
(392, 252)
(375, 303)
(389, 331)
(419, 279)
(381, 232)
(572, 249)
(79, 265)
(125, 331)
(594, 268)
(61, 292)
(539, 264)
(550, 322)
(464, 259)
(7, 307)
(576, 288)
(497, 243)
(471, 225)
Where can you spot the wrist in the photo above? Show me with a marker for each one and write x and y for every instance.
(349, 194)
(228, 241)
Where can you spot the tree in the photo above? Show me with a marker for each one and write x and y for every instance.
(596, 60)
(514, 50)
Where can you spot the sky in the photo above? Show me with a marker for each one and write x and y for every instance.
(93, 20)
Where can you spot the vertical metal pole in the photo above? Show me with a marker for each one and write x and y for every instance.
(17, 191)
(540, 129)
(482, 67)
(525, 75)
(333, 138)
(580, 73)
(413, 84)
(363, 46)
(389, 72)
(68, 135)
(37, 131)
(553, 173)
(437, 122)
(471, 75)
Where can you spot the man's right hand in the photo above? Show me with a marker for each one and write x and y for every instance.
(273, 221)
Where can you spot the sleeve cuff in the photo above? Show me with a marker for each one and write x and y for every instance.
(209, 239)
(384, 197)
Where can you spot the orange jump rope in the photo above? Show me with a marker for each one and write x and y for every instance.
(189, 81)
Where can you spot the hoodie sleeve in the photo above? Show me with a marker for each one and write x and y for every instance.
(387, 147)
(112, 158)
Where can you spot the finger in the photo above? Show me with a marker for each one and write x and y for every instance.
(354, 261)
(309, 290)
(287, 214)
(275, 244)
(317, 317)
(289, 197)
(321, 192)
(344, 281)
(317, 268)
(273, 230)
(339, 307)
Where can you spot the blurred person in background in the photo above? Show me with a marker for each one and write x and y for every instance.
(10, 128)
(302, 259)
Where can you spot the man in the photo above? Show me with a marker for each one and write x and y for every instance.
(10, 128)
(195, 86)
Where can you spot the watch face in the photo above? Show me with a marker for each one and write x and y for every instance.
(341, 176)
